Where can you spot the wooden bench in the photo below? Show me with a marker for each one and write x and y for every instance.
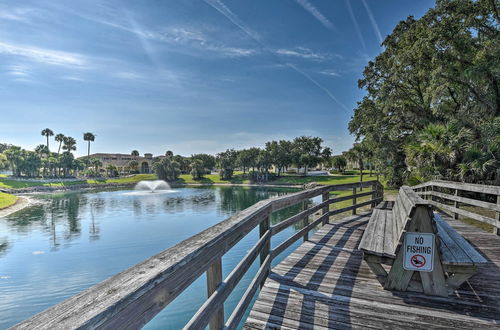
(455, 259)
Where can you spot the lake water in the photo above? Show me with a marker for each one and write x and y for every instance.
(71, 241)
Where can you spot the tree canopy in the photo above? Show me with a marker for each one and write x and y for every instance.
(433, 96)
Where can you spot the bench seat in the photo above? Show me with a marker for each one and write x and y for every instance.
(455, 250)
(384, 234)
(380, 241)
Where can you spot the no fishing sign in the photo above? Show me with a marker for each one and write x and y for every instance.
(419, 252)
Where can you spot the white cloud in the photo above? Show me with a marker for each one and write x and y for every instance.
(127, 75)
(16, 14)
(316, 13)
(305, 53)
(18, 71)
(185, 36)
(194, 38)
(233, 18)
(332, 73)
(43, 55)
(72, 78)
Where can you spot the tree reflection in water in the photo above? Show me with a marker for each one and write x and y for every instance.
(60, 215)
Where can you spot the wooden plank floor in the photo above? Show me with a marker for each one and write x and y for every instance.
(326, 284)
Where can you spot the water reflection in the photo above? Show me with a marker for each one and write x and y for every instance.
(71, 241)
(4, 246)
(60, 215)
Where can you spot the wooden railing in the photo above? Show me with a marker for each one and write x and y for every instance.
(484, 197)
(130, 299)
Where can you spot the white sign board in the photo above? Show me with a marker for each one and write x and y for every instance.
(419, 252)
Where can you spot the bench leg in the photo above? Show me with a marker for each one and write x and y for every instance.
(378, 270)
(455, 280)
(456, 277)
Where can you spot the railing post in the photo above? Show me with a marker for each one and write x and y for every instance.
(495, 229)
(264, 226)
(455, 215)
(306, 221)
(354, 200)
(374, 194)
(214, 278)
(324, 210)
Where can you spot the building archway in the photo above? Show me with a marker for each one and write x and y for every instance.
(144, 167)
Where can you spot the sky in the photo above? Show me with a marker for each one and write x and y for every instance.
(192, 76)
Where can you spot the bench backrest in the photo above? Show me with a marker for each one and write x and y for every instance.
(403, 210)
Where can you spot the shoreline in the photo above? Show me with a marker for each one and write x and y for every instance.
(24, 201)
(21, 203)
(85, 186)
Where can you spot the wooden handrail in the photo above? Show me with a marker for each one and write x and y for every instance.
(133, 297)
(437, 197)
(472, 187)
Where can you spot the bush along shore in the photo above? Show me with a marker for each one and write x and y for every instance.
(79, 186)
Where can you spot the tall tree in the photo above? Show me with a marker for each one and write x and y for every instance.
(207, 160)
(307, 151)
(197, 169)
(339, 163)
(90, 137)
(280, 153)
(42, 150)
(167, 169)
(440, 69)
(47, 132)
(226, 161)
(67, 161)
(69, 144)
(59, 138)
(14, 155)
(134, 153)
(96, 163)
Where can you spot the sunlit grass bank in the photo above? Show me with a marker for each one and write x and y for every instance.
(7, 200)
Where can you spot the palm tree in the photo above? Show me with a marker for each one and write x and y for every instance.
(135, 153)
(47, 132)
(133, 165)
(59, 138)
(41, 150)
(358, 153)
(90, 138)
(69, 143)
(96, 163)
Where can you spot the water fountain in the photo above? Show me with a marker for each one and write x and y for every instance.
(151, 187)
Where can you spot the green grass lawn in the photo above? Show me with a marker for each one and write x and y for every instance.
(9, 183)
(238, 178)
(6, 200)
(332, 179)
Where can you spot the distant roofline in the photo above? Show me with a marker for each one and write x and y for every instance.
(116, 155)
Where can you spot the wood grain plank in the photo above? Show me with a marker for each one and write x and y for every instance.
(323, 276)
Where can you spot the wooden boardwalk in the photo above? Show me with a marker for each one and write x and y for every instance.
(326, 284)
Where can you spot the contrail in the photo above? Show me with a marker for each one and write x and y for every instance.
(355, 22)
(308, 77)
(316, 13)
(145, 44)
(226, 12)
(373, 21)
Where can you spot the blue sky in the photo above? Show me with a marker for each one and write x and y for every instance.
(188, 76)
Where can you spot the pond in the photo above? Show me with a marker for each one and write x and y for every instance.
(68, 242)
